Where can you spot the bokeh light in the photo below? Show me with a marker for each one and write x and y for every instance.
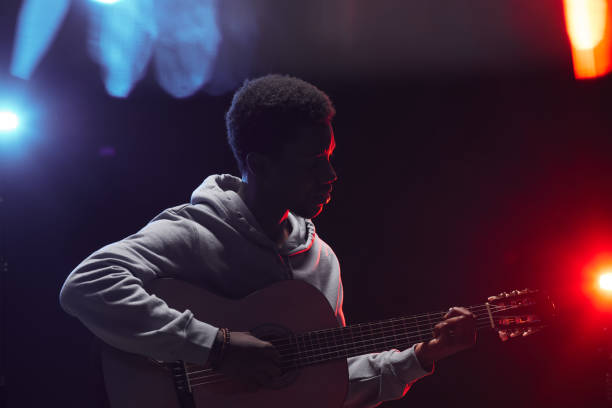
(9, 121)
(597, 281)
(605, 281)
(587, 23)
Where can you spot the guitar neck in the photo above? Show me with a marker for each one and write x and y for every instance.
(343, 342)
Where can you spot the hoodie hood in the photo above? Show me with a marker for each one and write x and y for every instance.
(220, 193)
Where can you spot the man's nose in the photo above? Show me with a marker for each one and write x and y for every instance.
(330, 174)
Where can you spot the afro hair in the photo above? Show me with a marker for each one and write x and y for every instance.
(266, 111)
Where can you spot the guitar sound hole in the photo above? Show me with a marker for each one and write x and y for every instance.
(279, 335)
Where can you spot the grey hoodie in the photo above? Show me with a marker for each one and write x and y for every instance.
(214, 242)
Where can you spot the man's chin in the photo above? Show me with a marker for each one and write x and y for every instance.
(310, 212)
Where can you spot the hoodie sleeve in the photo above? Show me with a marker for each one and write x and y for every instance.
(378, 377)
(105, 292)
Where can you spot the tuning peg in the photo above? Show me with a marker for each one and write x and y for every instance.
(532, 330)
(516, 333)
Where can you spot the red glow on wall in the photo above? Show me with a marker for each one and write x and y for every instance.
(588, 25)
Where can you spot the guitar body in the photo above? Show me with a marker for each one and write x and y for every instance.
(288, 307)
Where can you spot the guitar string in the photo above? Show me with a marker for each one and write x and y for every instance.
(289, 342)
(362, 339)
(196, 381)
(308, 344)
(217, 378)
(284, 344)
(383, 324)
(325, 356)
(479, 308)
(305, 357)
(222, 377)
(377, 341)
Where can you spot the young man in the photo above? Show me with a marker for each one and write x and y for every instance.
(240, 235)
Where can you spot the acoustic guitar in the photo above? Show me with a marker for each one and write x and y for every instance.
(299, 321)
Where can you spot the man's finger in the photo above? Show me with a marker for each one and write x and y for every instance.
(458, 311)
(437, 329)
(270, 349)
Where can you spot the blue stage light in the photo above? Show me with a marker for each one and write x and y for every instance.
(180, 38)
(20, 123)
(9, 121)
(37, 25)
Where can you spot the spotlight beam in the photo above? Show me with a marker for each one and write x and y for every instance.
(37, 25)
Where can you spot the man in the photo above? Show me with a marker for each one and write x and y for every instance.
(240, 235)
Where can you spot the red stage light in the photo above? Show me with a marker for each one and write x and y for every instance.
(588, 27)
(597, 282)
(605, 281)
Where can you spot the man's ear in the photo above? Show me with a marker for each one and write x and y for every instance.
(257, 164)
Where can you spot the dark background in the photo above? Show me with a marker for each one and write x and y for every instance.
(469, 163)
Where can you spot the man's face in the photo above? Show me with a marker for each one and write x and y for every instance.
(302, 176)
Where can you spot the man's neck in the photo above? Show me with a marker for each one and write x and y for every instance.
(272, 219)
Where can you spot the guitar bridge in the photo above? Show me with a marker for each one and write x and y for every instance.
(178, 370)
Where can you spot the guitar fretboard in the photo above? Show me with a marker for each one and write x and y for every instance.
(343, 342)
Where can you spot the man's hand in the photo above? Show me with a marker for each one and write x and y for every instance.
(251, 361)
(455, 333)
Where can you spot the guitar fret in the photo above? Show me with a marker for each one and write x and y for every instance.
(387, 339)
(402, 329)
(298, 351)
(322, 344)
(369, 343)
(304, 348)
(352, 343)
(431, 326)
(329, 349)
(338, 343)
(376, 334)
(326, 347)
(364, 338)
(359, 343)
(395, 339)
(345, 340)
(418, 332)
(354, 340)
(310, 357)
(336, 347)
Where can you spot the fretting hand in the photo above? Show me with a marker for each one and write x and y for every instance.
(455, 333)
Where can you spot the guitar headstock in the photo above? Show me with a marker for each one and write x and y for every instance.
(520, 312)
